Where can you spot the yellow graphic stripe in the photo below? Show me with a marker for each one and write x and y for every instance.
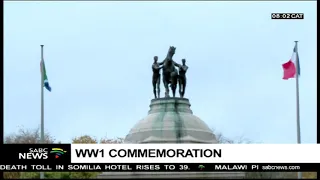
(58, 149)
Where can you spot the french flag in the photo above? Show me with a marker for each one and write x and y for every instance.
(291, 68)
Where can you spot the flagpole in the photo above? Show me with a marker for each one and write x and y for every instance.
(298, 103)
(42, 105)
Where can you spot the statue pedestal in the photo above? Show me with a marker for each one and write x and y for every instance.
(170, 120)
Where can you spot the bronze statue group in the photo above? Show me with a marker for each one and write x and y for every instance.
(170, 75)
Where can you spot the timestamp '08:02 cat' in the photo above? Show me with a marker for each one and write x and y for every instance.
(287, 15)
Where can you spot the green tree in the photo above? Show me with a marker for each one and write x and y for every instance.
(106, 140)
(309, 175)
(85, 139)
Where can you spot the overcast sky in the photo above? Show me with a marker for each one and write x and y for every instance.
(99, 54)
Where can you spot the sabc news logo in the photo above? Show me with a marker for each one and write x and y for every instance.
(42, 153)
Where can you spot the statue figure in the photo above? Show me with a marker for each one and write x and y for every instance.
(169, 72)
(156, 76)
(182, 77)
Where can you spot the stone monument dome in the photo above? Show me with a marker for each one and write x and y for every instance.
(170, 120)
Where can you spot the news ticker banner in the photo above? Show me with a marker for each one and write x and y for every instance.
(165, 167)
(141, 157)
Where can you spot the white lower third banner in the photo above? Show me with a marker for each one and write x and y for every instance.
(195, 153)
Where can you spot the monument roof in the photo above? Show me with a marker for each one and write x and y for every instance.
(170, 120)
